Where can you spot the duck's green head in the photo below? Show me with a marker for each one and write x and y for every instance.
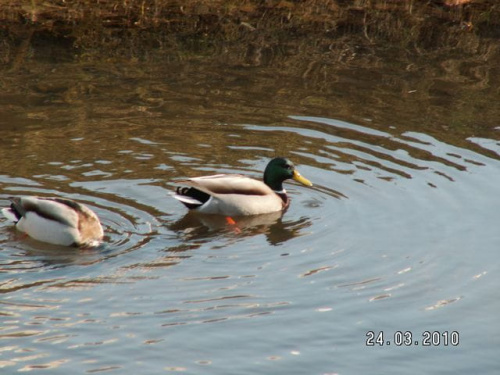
(279, 170)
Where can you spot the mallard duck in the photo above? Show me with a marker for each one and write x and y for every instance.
(58, 221)
(237, 195)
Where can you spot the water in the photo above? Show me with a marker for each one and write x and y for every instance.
(398, 234)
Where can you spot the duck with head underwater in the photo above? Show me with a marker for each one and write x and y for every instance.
(58, 221)
(238, 195)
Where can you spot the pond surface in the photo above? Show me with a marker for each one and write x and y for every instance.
(400, 232)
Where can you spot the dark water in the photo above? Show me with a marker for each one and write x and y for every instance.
(399, 233)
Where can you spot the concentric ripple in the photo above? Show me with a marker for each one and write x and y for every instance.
(399, 231)
(126, 227)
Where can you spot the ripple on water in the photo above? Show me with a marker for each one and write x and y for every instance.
(387, 236)
(402, 215)
(127, 227)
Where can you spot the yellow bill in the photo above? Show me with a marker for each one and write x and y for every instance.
(298, 177)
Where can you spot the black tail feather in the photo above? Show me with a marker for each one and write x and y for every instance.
(17, 208)
(193, 193)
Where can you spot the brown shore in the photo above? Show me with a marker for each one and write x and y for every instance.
(139, 28)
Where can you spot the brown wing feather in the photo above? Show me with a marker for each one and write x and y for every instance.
(229, 184)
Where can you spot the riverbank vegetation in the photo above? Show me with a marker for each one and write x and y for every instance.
(143, 28)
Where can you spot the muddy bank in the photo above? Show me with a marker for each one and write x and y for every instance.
(65, 30)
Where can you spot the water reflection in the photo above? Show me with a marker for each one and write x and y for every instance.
(388, 157)
(399, 231)
(195, 227)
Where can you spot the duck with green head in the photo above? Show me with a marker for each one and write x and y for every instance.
(238, 195)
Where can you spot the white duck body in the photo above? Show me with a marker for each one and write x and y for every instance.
(233, 195)
(57, 221)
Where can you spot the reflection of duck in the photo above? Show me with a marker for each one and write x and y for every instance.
(218, 222)
(58, 221)
(201, 228)
(238, 195)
